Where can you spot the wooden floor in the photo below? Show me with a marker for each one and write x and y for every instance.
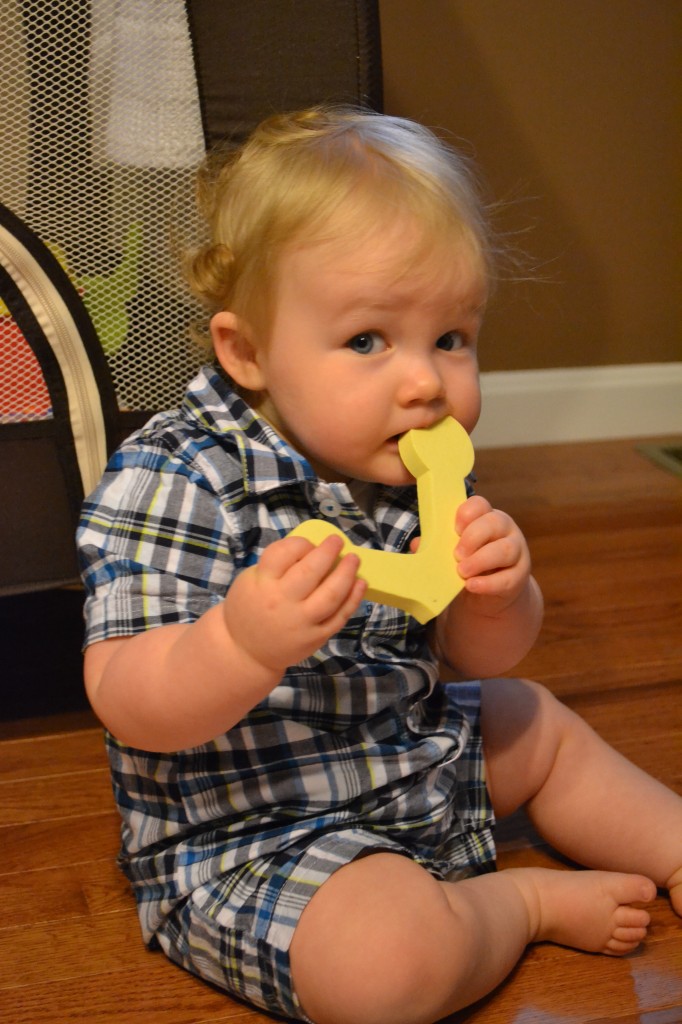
(605, 527)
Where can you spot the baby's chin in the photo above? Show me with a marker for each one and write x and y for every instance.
(386, 469)
(394, 477)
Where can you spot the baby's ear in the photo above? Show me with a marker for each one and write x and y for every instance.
(235, 350)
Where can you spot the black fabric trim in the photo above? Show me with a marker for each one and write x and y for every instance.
(39, 456)
(20, 309)
(60, 424)
(370, 68)
(285, 56)
(193, 33)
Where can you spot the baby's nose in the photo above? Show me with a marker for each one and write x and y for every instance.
(422, 382)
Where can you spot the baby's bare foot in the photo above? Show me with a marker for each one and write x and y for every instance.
(675, 889)
(590, 910)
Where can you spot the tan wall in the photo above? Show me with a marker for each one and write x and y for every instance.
(572, 110)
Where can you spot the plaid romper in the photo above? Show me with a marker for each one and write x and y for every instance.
(358, 748)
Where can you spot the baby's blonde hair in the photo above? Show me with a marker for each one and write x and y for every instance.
(315, 176)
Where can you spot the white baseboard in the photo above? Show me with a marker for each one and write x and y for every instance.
(526, 407)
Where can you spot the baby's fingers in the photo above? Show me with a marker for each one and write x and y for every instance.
(485, 529)
(319, 569)
(504, 553)
(299, 565)
(471, 510)
(503, 584)
(280, 556)
(337, 596)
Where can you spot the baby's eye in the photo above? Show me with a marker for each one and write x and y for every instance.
(367, 343)
(451, 341)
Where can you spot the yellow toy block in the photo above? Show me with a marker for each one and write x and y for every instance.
(424, 583)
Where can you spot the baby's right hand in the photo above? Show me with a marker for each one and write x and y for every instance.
(289, 604)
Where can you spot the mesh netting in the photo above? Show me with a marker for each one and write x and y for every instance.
(101, 137)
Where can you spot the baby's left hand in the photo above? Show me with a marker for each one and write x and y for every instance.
(492, 554)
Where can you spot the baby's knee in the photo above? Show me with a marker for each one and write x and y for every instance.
(524, 727)
(513, 709)
(374, 992)
(386, 979)
(375, 951)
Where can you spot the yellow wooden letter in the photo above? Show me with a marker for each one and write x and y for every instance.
(424, 583)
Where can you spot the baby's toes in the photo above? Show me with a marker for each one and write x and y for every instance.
(630, 936)
(631, 917)
(629, 930)
(624, 940)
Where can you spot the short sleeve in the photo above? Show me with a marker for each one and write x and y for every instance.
(154, 545)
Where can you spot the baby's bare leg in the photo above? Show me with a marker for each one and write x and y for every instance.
(588, 801)
(383, 942)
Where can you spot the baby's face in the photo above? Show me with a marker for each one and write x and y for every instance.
(359, 352)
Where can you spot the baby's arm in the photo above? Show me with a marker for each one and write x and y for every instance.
(492, 624)
(178, 686)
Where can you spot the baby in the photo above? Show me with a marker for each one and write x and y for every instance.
(308, 812)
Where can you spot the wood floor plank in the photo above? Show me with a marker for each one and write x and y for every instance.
(58, 843)
(105, 887)
(646, 713)
(53, 797)
(61, 897)
(156, 992)
(94, 887)
(588, 654)
(565, 568)
(586, 475)
(567, 670)
(540, 520)
(33, 757)
(62, 723)
(97, 944)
